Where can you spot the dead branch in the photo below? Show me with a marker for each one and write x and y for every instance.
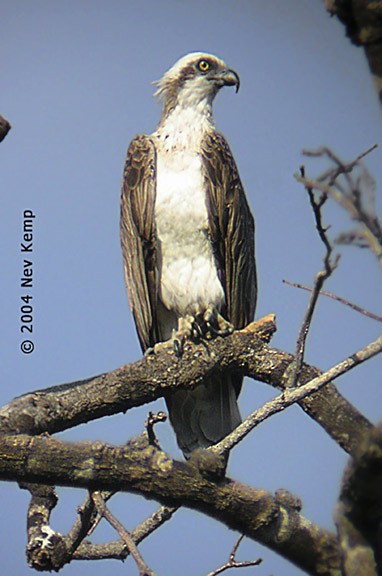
(318, 282)
(117, 549)
(359, 511)
(355, 195)
(233, 563)
(55, 543)
(337, 299)
(141, 468)
(43, 551)
(153, 419)
(363, 23)
(46, 549)
(62, 407)
(4, 128)
(125, 536)
(292, 395)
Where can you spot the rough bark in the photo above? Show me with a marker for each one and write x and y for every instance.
(139, 467)
(363, 23)
(61, 407)
(4, 128)
(359, 511)
(143, 468)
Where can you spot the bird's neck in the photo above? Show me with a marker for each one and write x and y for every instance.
(185, 125)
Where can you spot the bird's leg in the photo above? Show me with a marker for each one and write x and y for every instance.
(185, 331)
(204, 326)
(216, 324)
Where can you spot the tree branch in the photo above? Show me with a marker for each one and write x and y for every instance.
(245, 351)
(4, 128)
(125, 536)
(117, 549)
(233, 563)
(363, 22)
(351, 197)
(139, 467)
(292, 395)
(337, 299)
(359, 511)
(318, 282)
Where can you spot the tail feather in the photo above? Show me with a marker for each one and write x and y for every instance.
(203, 416)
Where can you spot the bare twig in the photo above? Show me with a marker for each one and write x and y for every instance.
(342, 168)
(86, 522)
(144, 570)
(232, 562)
(292, 395)
(318, 282)
(153, 419)
(338, 299)
(117, 549)
(350, 196)
(88, 518)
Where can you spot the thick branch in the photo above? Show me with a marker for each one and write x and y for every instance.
(4, 128)
(293, 395)
(141, 468)
(363, 21)
(62, 407)
(359, 512)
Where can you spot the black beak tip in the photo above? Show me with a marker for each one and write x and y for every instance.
(234, 79)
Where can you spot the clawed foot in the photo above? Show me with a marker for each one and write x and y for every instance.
(188, 329)
(185, 331)
(205, 326)
(216, 324)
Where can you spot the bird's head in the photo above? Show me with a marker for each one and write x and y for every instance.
(195, 79)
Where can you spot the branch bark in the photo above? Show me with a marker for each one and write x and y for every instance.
(4, 128)
(245, 351)
(359, 511)
(363, 22)
(293, 395)
(139, 467)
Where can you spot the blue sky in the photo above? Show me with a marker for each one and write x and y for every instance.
(76, 87)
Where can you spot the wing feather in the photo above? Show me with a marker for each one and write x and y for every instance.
(232, 230)
(138, 238)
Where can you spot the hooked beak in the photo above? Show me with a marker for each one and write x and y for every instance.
(230, 78)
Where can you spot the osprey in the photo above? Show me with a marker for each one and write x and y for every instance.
(187, 238)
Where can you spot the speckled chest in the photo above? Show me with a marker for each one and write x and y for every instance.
(188, 276)
(181, 210)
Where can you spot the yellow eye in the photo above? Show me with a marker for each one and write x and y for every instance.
(203, 65)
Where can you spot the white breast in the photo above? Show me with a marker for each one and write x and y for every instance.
(188, 277)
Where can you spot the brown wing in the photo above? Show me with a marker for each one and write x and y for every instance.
(232, 230)
(137, 233)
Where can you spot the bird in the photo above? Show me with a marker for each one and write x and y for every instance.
(187, 238)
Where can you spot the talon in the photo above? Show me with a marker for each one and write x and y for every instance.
(218, 331)
(217, 325)
(149, 351)
(177, 347)
(197, 330)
